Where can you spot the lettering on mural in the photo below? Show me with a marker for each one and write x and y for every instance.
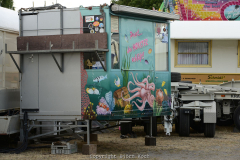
(215, 77)
(213, 6)
(136, 46)
(132, 35)
(138, 57)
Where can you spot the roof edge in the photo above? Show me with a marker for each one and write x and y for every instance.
(9, 30)
(143, 12)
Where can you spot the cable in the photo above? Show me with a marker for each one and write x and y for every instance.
(47, 7)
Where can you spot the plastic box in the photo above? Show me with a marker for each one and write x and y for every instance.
(64, 148)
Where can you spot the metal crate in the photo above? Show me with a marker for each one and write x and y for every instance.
(64, 148)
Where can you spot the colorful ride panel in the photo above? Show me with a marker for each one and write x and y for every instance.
(206, 9)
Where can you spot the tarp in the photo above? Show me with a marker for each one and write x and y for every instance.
(205, 30)
(9, 20)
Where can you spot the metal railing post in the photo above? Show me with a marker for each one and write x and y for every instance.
(150, 127)
(88, 131)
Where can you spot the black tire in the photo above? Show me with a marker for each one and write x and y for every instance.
(175, 77)
(236, 117)
(223, 122)
(184, 126)
(209, 130)
(177, 124)
(199, 127)
(186, 82)
(126, 128)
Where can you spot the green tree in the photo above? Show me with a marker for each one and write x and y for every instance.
(147, 4)
(7, 4)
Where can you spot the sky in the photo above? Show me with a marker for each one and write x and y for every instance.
(67, 3)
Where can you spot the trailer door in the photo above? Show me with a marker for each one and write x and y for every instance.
(137, 65)
(162, 71)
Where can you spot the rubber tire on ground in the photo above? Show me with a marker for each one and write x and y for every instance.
(199, 127)
(236, 117)
(184, 123)
(209, 130)
(177, 124)
(126, 128)
(175, 77)
(222, 122)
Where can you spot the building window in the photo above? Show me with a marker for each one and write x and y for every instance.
(115, 54)
(161, 46)
(193, 54)
(91, 60)
(238, 54)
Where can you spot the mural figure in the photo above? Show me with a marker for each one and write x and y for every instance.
(159, 96)
(143, 91)
(92, 91)
(100, 78)
(117, 82)
(106, 105)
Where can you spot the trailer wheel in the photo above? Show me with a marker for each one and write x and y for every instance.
(175, 77)
(184, 126)
(209, 130)
(199, 127)
(236, 117)
(177, 124)
(223, 122)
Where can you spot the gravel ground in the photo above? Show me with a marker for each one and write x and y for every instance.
(225, 145)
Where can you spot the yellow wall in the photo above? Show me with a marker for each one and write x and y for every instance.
(224, 62)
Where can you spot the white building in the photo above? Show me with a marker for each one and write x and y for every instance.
(206, 51)
(9, 75)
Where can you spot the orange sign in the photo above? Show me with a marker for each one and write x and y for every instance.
(208, 78)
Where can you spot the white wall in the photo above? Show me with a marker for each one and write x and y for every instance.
(9, 75)
(9, 20)
(224, 58)
(205, 30)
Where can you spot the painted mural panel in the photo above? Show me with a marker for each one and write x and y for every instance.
(138, 66)
(129, 88)
(206, 9)
(162, 102)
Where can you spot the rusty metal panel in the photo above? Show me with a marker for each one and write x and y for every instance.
(21, 43)
(67, 41)
(37, 43)
(56, 42)
(81, 41)
(34, 43)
